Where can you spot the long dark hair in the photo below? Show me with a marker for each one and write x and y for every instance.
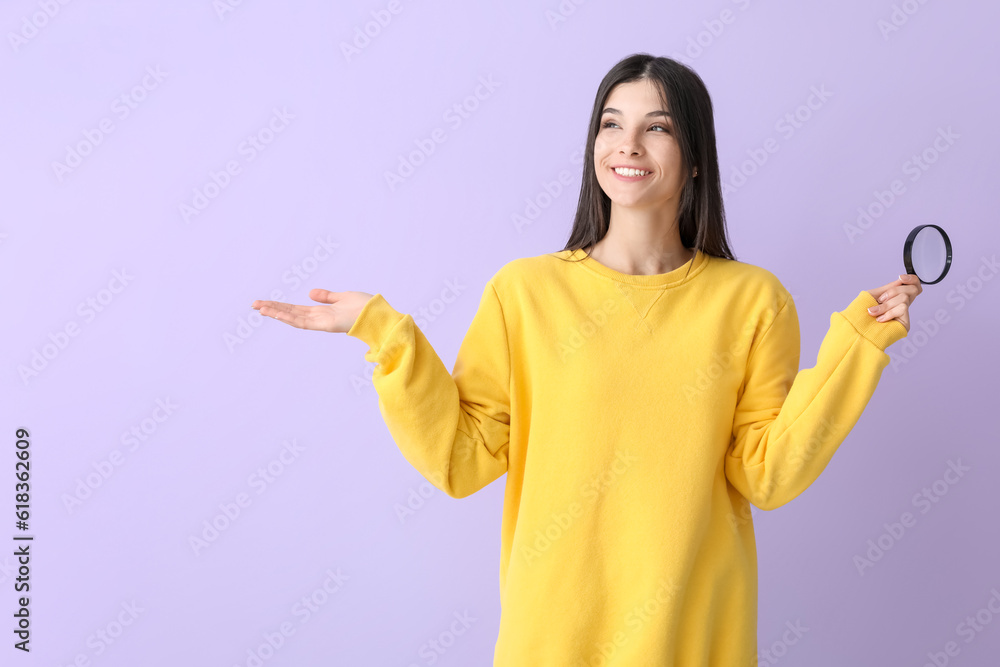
(701, 218)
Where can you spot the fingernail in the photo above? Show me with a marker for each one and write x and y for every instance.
(902, 278)
(872, 310)
(881, 298)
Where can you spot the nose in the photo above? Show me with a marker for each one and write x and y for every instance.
(630, 144)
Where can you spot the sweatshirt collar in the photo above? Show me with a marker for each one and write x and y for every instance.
(674, 278)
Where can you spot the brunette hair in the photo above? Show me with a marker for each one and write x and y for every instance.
(701, 218)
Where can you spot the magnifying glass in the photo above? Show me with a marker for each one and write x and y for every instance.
(927, 253)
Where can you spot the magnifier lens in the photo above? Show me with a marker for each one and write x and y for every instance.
(929, 254)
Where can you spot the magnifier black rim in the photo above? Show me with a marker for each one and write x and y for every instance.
(908, 246)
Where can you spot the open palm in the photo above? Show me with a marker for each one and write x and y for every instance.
(336, 317)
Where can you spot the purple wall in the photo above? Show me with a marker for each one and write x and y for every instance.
(140, 222)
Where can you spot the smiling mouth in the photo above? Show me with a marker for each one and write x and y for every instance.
(629, 176)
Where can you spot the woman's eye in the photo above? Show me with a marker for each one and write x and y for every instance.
(611, 122)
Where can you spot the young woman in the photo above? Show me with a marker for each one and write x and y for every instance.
(640, 388)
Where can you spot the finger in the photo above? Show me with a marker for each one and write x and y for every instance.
(893, 308)
(896, 315)
(910, 290)
(885, 316)
(881, 290)
(325, 296)
(913, 281)
(298, 316)
(286, 312)
(885, 305)
(259, 303)
(910, 283)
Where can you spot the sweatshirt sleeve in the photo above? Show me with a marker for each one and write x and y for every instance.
(788, 423)
(453, 428)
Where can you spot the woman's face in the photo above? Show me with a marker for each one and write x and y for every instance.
(629, 136)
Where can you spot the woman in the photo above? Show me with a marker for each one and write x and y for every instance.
(639, 387)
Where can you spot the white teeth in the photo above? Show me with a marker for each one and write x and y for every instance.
(630, 172)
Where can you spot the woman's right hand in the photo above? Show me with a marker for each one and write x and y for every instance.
(337, 317)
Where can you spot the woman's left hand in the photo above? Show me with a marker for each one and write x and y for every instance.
(895, 299)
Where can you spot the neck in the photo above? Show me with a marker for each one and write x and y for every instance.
(641, 249)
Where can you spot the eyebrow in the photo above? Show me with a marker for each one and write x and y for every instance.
(649, 115)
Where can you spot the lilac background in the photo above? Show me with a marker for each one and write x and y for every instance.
(169, 334)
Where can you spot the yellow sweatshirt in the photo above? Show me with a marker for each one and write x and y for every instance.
(636, 417)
